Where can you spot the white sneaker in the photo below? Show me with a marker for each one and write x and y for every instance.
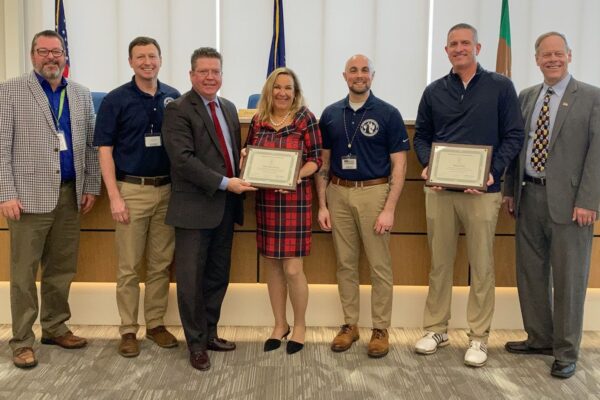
(476, 355)
(429, 343)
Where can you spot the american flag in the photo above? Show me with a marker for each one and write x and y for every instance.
(60, 26)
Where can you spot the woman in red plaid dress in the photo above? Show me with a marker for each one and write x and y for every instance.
(283, 218)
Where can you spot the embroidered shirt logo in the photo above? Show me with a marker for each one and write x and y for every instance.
(167, 101)
(369, 127)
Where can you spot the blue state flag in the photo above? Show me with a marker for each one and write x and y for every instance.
(277, 54)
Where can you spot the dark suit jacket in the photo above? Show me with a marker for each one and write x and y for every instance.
(197, 162)
(573, 164)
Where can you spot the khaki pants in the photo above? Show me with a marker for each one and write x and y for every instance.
(146, 234)
(353, 215)
(478, 214)
(52, 239)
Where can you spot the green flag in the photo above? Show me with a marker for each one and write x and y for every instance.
(503, 58)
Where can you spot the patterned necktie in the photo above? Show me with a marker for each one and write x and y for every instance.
(221, 138)
(539, 151)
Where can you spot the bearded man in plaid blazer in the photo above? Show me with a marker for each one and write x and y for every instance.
(49, 173)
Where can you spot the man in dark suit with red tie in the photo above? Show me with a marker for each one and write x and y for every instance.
(202, 138)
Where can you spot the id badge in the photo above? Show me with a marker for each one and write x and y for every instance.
(152, 139)
(62, 141)
(349, 162)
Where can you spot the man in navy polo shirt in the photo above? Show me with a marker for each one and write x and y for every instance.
(135, 169)
(360, 181)
(468, 106)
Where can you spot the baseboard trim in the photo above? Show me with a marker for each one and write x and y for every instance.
(247, 304)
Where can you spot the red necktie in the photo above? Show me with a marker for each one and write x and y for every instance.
(221, 139)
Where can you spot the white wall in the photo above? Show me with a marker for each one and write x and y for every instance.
(320, 36)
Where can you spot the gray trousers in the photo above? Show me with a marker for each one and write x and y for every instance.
(551, 255)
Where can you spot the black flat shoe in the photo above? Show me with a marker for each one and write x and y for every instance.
(521, 347)
(293, 347)
(273, 344)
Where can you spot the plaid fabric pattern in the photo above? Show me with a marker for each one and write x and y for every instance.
(283, 221)
(29, 159)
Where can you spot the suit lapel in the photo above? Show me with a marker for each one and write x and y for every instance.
(528, 114)
(41, 98)
(208, 122)
(564, 106)
(229, 119)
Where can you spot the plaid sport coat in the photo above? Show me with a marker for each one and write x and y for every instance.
(29, 155)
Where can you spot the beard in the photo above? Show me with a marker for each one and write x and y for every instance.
(51, 73)
(361, 90)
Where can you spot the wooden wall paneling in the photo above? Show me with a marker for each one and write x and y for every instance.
(249, 213)
(3, 224)
(594, 281)
(410, 210)
(100, 217)
(244, 265)
(97, 260)
(504, 261)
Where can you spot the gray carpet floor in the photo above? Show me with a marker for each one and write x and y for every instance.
(98, 372)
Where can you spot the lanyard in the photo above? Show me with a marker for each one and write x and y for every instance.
(61, 105)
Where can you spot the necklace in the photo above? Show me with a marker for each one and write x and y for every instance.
(350, 141)
(280, 122)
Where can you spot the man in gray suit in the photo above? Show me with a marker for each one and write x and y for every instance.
(202, 138)
(553, 191)
(49, 173)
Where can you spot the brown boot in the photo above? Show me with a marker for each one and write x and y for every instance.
(161, 336)
(347, 335)
(129, 346)
(379, 344)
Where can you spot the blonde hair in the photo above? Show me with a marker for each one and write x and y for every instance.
(265, 104)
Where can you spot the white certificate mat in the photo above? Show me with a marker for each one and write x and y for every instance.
(272, 168)
(459, 166)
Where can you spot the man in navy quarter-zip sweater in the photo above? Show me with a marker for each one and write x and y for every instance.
(468, 106)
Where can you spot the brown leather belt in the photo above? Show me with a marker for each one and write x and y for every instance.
(370, 182)
(146, 180)
(532, 179)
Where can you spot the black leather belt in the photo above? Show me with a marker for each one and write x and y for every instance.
(146, 180)
(537, 181)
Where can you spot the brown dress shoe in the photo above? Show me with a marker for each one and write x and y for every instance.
(347, 335)
(200, 360)
(66, 341)
(24, 357)
(161, 336)
(129, 346)
(379, 344)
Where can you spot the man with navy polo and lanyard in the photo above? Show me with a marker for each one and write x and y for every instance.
(364, 165)
(48, 175)
(135, 169)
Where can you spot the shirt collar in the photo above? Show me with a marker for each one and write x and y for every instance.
(44, 82)
(159, 90)
(206, 101)
(560, 87)
(368, 104)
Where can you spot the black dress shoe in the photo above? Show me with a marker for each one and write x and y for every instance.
(293, 347)
(200, 360)
(218, 344)
(521, 347)
(563, 369)
(273, 344)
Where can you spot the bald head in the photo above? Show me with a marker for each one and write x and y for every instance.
(359, 59)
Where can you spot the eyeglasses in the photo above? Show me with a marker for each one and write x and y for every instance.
(203, 73)
(55, 52)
